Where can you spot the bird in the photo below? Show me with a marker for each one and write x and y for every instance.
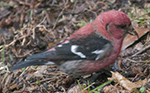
(91, 48)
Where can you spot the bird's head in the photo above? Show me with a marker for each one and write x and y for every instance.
(117, 24)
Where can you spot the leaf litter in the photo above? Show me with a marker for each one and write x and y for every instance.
(28, 27)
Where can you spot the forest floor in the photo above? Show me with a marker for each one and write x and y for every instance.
(28, 27)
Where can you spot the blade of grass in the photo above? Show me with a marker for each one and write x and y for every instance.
(88, 85)
(11, 58)
(99, 87)
(79, 84)
(3, 54)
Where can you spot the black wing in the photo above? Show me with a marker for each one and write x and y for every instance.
(92, 47)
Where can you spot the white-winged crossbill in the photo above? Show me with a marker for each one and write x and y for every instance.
(89, 49)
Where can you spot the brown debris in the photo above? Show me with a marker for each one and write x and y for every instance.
(29, 27)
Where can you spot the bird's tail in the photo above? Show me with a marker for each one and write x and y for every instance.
(31, 62)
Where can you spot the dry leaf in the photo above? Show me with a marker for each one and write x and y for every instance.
(76, 89)
(110, 89)
(130, 39)
(130, 86)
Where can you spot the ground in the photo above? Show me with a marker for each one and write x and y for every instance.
(28, 27)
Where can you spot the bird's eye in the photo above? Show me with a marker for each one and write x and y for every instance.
(122, 26)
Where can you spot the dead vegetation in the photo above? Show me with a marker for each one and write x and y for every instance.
(30, 26)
